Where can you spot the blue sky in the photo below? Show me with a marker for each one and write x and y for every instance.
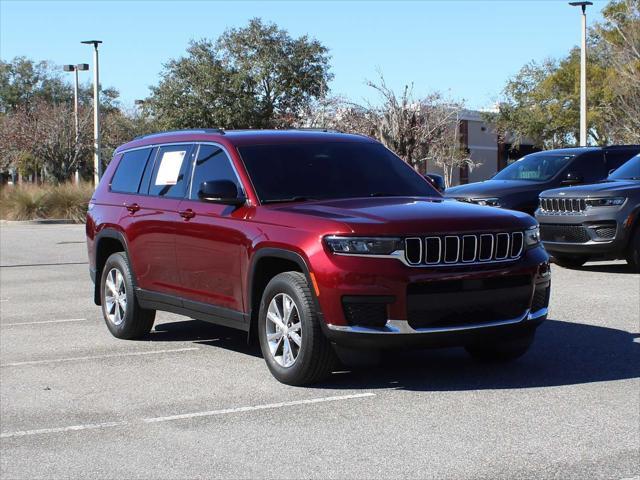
(467, 49)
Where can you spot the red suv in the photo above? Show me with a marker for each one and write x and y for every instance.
(315, 241)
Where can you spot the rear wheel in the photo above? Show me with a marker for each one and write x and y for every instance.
(633, 254)
(291, 339)
(122, 313)
(571, 261)
(505, 350)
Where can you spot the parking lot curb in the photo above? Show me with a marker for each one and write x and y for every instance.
(41, 221)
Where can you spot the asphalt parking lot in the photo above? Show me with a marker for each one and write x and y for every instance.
(193, 400)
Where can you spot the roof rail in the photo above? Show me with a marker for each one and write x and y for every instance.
(315, 129)
(188, 130)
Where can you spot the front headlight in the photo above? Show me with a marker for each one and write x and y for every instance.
(532, 236)
(605, 202)
(489, 202)
(363, 245)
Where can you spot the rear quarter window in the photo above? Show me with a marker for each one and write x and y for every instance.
(129, 172)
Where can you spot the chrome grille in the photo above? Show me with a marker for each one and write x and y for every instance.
(563, 205)
(463, 249)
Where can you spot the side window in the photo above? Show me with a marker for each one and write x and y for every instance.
(212, 163)
(169, 178)
(616, 159)
(590, 165)
(129, 171)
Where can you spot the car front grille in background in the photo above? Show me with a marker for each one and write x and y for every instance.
(563, 205)
(461, 249)
(564, 233)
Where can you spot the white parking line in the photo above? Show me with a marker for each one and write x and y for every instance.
(72, 428)
(257, 407)
(92, 357)
(75, 428)
(62, 320)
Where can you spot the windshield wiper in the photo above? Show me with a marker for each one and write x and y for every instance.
(383, 194)
(292, 199)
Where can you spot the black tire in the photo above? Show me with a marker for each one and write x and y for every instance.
(505, 350)
(633, 253)
(136, 321)
(570, 261)
(315, 356)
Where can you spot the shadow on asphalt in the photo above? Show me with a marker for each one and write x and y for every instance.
(607, 268)
(563, 353)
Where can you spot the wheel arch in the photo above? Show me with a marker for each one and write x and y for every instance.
(265, 264)
(108, 241)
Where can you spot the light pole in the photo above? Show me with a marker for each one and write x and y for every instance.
(97, 165)
(75, 69)
(583, 73)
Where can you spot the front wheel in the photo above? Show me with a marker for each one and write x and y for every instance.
(291, 339)
(504, 350)
(633, 254)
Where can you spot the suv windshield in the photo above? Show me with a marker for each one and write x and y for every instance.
(305, 171)
(628, 171)
(537, 167)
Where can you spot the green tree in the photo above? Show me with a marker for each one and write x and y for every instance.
(252, 77)
(541, 102)
(24, 82)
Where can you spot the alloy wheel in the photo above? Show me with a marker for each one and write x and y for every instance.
(284, 330)
(115, 295)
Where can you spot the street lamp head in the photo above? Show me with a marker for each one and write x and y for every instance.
(68, 68)
(95, 43)
(581, 4)
(82, 66)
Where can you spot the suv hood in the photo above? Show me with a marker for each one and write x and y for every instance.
(492, 188)
(411, 215)
(603, 189)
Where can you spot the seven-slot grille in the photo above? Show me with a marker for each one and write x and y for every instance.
(563, 205)
(461, 249)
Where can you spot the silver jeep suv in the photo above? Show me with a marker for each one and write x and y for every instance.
(600, 221)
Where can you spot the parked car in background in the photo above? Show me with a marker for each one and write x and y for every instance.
(599, 221)
(518, 186)
(313, 242)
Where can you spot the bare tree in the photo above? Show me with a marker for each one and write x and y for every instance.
(45, 135)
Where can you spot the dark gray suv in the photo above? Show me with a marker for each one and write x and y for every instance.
(517, 187)
(598, 222)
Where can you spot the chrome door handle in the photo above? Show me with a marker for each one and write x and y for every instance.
(132, 207)
(187, 214)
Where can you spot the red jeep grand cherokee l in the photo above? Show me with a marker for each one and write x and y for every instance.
(315, 241)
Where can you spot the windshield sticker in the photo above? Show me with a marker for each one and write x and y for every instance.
(170, 165)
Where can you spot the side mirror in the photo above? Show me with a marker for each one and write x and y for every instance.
(220, 191)
(437, 181)
(572, 178)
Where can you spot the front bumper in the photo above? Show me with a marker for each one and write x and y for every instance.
(598, 233)
(404, 324)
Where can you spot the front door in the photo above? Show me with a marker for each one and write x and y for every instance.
(210, 243)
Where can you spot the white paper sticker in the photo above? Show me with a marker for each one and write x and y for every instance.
(169, 169)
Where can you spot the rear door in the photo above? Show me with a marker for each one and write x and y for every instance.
(212, 241)
(152, 235)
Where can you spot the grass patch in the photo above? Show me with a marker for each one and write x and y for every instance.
(33, 202)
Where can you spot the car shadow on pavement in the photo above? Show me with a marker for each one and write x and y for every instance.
(564, 353)
(204, 333)
(607, 268)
